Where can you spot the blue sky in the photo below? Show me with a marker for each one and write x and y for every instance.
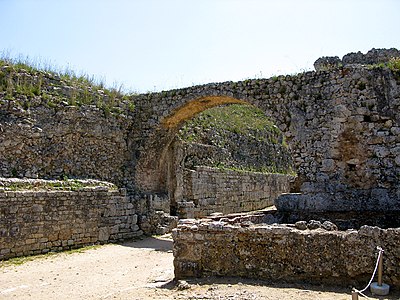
(152, 45)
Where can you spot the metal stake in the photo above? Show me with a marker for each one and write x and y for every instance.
(380, 269)
(354, 295)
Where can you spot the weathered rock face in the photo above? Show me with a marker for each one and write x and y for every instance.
(73, 142)
(374, 56)
(326, 63)
(55, 127)
(374, 200)
(279, 252)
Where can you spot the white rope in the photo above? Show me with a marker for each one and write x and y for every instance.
(362, 294)
(373, 275)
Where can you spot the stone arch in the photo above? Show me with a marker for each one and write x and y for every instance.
(193, 107)
(149, 174)
(320, 113)
(153, 172)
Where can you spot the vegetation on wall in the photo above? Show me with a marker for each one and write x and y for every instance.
(14, 184)
(25, 84)
(242, 138)
(236, 118)
(393, 64)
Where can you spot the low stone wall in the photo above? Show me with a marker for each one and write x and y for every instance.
(283, 252)
(34, 222)
(208, 190)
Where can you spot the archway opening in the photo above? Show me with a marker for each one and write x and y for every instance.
(228, 158)
(150, 169)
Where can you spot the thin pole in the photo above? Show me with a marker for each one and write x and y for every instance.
(354, 295)
(380, 269)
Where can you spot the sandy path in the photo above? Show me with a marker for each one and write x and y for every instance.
(102, 273)
(134, 270)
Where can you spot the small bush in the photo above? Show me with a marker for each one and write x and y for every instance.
(394, 64)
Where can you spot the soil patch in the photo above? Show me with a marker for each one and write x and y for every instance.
(141, 269)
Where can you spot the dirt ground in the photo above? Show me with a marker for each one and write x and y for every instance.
(140, 269)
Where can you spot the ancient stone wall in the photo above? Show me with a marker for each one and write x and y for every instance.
(78, 142)
(34, 222)
(342, 125)
(283, 252)
(374, 56)
(208, 190)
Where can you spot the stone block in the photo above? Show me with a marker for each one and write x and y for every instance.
(104, 234)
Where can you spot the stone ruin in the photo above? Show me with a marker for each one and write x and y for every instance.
(263, 246)
(342, 125)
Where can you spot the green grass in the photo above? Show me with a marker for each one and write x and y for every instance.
(393, 64)
(24, 259)
(224, 127)
(262, 169)
(65, 184)
(28, 83)
(237, 118)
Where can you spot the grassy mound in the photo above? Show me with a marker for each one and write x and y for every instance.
(25, 85)
(242, 137)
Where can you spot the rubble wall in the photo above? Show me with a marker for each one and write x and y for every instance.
(227, 191)
(341, 123)
(35, 222)
(282, 252)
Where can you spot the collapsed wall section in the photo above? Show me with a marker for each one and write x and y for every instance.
(34, 222)
(283, 252)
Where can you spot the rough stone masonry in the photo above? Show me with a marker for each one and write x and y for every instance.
(342, 124)
(48, 219)
(279, 252)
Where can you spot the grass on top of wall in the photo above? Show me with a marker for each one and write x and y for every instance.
(393, 65)
(17, 184)
(26, 83)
